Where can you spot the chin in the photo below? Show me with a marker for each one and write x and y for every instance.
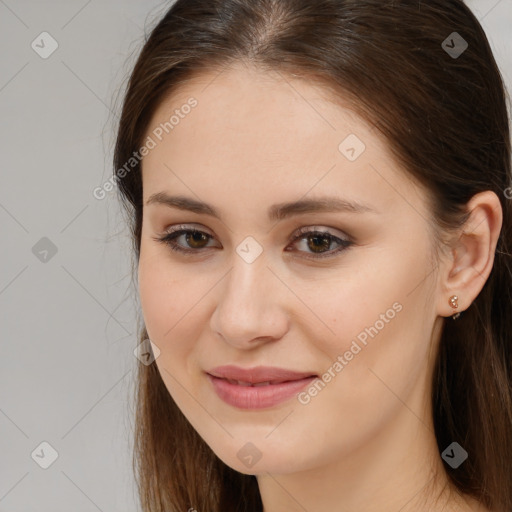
(259, 469)
(249, 459)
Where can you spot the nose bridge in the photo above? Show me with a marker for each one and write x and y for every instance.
(248, 306)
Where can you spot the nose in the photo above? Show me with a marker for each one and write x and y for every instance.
(250, 311)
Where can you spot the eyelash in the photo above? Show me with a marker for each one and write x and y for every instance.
(169, 240)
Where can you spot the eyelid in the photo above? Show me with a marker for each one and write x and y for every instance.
(188, 227)
(320, 229)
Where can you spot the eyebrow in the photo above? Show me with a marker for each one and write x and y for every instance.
(275, 212)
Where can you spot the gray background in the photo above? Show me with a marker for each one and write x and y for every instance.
(67, 322)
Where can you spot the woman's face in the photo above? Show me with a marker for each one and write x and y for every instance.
(354, 304)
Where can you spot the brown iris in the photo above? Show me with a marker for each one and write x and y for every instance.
(319, 237)
(196, 237)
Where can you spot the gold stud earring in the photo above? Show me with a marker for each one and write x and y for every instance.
(454, 304)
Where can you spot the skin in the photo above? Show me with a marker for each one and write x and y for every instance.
(366, 441)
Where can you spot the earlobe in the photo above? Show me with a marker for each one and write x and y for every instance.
(472, 255)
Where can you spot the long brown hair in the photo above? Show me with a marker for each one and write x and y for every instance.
(444, 117)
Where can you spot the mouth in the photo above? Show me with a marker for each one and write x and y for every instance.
(256, 384)
(259, 387)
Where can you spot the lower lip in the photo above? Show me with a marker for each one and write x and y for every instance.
(257, 397)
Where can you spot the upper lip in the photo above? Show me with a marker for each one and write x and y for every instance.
(258, 374)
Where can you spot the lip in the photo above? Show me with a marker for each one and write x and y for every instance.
(252, 394)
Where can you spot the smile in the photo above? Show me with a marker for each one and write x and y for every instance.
(257, 388)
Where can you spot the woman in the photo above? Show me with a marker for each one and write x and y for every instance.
(319, 195)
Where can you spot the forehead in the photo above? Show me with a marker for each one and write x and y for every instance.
(269, 101)
(267, 133)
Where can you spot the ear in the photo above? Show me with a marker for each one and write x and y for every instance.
(472, 256)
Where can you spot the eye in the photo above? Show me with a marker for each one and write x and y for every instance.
(195, 239)
(315, 240)
(318, 240)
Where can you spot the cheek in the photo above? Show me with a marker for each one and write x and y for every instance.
(173, 300)
(164, 297)
(378, 317)
(154, 295)
(166, 306)
(347, 305)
